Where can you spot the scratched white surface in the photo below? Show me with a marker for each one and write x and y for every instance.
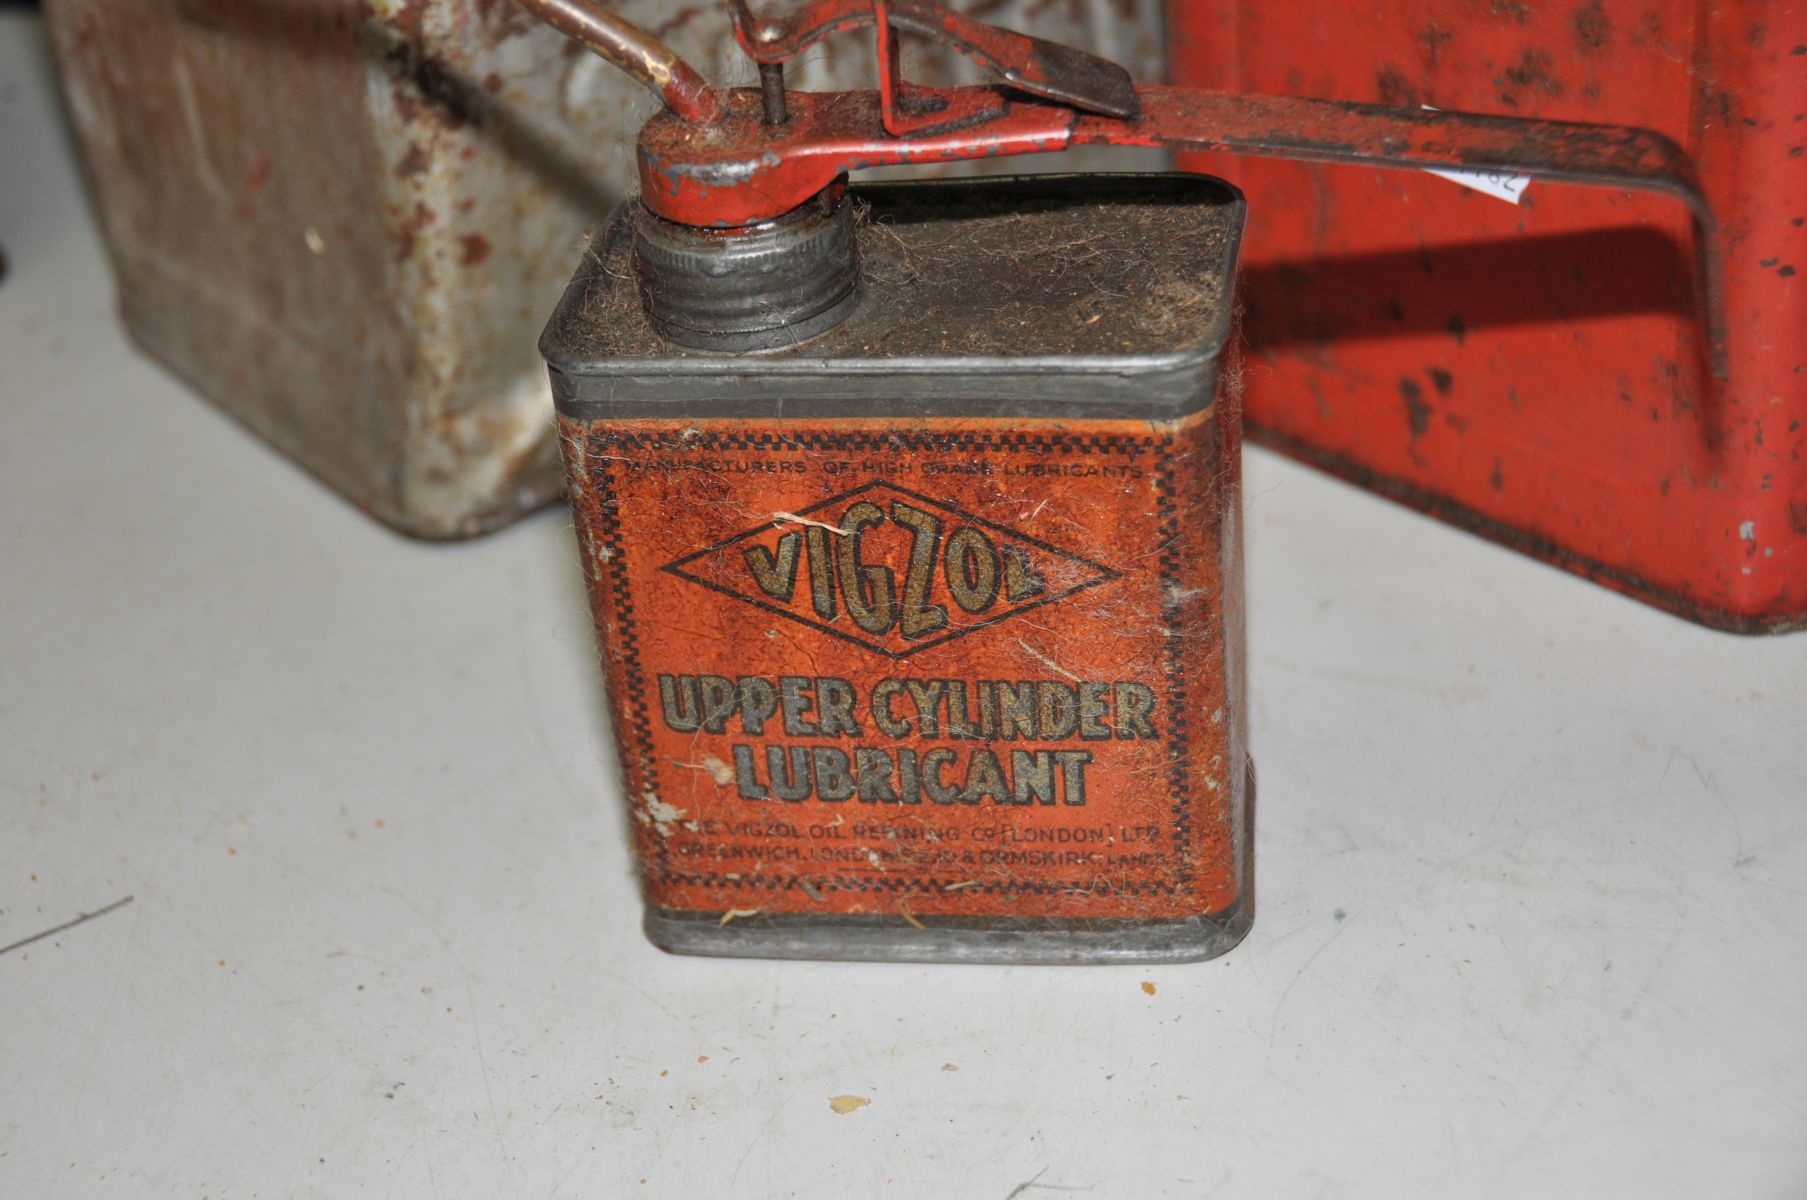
(1532, 865)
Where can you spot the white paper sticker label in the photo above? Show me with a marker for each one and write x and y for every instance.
(1501, 185)
(1497, 184)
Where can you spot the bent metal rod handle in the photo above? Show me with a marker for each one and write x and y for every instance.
(1570, 153)
(685, 94)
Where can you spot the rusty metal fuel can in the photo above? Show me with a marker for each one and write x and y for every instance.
(911, 511)
(923, 635)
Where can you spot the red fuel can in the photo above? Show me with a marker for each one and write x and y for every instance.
(1534, 371)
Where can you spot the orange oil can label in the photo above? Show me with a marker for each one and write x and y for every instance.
(937, 668)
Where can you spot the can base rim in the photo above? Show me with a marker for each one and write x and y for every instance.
(1052, 941)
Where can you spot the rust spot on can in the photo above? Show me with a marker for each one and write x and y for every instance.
(1417, 410)
(413, 163)
(502, 19)
(410, 19)
(1593, 29)
(1534, 73)
(407, 231)
(474, 250)
(1395, 88)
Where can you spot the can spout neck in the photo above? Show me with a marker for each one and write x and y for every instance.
(763, 287)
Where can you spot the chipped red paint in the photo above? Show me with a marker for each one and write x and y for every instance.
(1577, 420)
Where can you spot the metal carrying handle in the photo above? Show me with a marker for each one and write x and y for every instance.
(683, 91)
(773, 150)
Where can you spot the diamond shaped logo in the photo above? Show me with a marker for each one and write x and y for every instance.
(890, 569)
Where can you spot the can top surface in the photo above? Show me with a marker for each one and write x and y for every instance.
(1124, 275)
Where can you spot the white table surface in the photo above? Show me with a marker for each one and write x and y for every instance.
(1532, 861)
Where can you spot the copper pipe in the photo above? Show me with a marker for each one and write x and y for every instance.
(675, 82)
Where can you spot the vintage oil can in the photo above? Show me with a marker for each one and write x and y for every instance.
(923, 636)
(910, 512)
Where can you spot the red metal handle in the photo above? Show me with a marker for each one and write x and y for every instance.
(767, 153)
(750, 172)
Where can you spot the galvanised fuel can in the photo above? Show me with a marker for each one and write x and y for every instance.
(912, 531)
